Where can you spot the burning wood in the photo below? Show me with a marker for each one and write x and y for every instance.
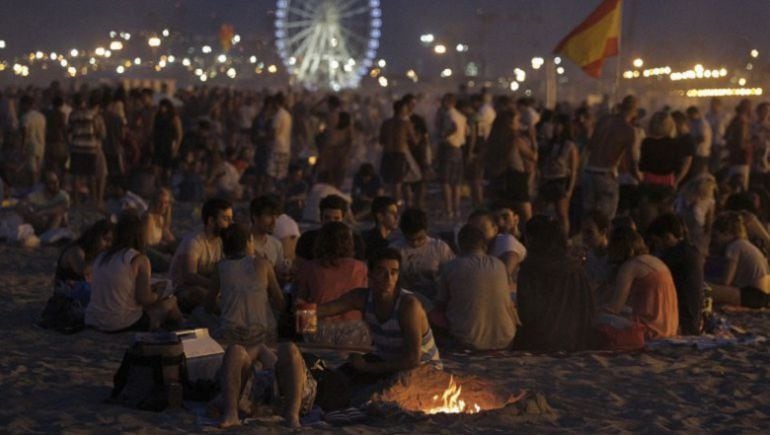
(450, 401)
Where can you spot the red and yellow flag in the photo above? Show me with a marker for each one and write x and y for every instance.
(595, 39)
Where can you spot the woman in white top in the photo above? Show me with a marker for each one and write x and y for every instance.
(249, 289)
(121, 295)
(161, 243)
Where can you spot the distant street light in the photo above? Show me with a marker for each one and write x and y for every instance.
(638, 62)
(537, 62)
(427, 38)
(440, 49)
(153, 42)
(754, 53)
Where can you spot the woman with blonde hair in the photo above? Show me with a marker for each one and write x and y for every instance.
(644, 289)
(664, 161)
(160, 240)
(745, 279)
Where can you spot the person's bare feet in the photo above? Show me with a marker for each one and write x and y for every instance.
(230, 420)
(293, 423)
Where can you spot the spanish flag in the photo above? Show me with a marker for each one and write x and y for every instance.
(595, 39)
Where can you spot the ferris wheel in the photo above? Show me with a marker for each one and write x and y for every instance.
(328, 44)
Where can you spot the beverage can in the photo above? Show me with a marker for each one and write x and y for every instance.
(306, 318)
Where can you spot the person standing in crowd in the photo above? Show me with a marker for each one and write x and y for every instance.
(507, 150)
(420, 151)
(335, 149)
(56, 153)
(700, 131)
(452, 129)
(760, 140)
(166, 140)
(33, 130)
(738, 143)
(612, 140)
(115, 135)
(717, 120)
(559, 162)
(85, 136)
(279, 153)
(396, 137)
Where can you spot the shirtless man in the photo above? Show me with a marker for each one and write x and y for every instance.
(612, 141)
(192, 268)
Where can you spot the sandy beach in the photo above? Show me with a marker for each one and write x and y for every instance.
(54, 383)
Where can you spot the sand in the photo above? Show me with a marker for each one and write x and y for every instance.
(53, 383)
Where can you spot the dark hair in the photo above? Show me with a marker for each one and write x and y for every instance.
(471, 238)
(380, 204)
(366, 170)
(544, 236)
(212, 207)
(692, 110)
(91, 238)
(398, 105)
(333, 202)
(741, 202)
(413, 220)
(265, 204)
(479, 213)
(129, 234)
(599, 219)
(625, 243)
(334, 242)
(235, 238)
(566, 127)
(344, 121)
(667, 223)
(384, 254)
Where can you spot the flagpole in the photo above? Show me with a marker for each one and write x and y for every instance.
(616, 84)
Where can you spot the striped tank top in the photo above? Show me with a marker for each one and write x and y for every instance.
(389, 339)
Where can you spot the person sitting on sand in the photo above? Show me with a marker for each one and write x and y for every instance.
(384, 212)
(248, 289)
(333, 273)
(595, 234)
(555, 301)
(643, 288)
(686, 265)
(333, 208)
(195, 260)
(121, 295)
(501, 245)
(403, 340)
(249, 377)
(473, 289)
(161, 242)
(264, 212)
(422, 255)
(745, 280)
(46, 208)
(73, 268)
(121, 199)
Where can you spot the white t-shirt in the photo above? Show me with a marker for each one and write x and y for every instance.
(456, 139)
(282, 129)
(113, 304)
(271, 249)
(486, 118)
(33, 124)
(420, 267)
(505, 243)
(701, 128)
(206, 254)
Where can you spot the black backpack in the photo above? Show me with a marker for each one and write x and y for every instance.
(152, 374)
(63, 313)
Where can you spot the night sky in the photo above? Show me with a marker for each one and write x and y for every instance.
(675, 32)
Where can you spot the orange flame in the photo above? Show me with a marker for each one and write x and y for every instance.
(449, 402)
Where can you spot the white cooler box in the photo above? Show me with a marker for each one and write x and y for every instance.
(203, 354)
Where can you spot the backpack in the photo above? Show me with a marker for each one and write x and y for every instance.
(63, 313)
(152, 374)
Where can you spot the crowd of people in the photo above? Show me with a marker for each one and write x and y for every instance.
(584, 228)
